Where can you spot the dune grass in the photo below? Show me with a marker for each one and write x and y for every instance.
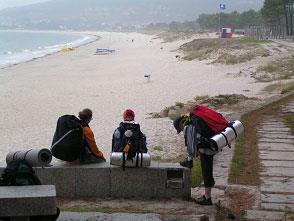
(224, 50)
(281, 69)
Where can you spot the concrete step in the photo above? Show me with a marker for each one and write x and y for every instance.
(95, 216)
(276, 136)
(280, 171)
(272, 128)
(277, 184)
(24, 201)
(274, 132)
(278, 206)
(273, 163)
(276, 146)
(275, 155)
(277, 198)
(275, 140)
(261, 215)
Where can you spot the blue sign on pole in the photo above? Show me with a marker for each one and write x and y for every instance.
(222, 6)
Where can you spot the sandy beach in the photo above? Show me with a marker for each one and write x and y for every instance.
(36, 93)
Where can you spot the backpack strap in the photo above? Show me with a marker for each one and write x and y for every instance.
(24, 157)
(229, 145)
(137, 159)
(124, 161)
(141, 159)
(231, 126)
(64, 136)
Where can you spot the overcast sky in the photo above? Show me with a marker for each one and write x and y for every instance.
(13, 3)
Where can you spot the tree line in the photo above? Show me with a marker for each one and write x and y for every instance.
(273, 13)
(279, 13)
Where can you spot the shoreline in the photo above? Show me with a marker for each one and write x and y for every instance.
(58, 49)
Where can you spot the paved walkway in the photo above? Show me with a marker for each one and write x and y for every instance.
(276, 152)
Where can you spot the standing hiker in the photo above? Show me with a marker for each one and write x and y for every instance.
(201, 124)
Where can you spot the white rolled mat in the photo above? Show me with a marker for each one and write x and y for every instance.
(116, 158)
(228, 135)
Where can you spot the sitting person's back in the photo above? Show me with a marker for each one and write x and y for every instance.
(74, 140)
(128, 137)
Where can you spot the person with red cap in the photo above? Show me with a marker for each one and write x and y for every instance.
(128, 130)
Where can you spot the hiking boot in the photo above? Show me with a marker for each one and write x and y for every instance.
(187, 163)
(203, 201)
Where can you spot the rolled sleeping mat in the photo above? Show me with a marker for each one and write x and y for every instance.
(116, 158)
(226, 137)
(238, 126)
(34, 157)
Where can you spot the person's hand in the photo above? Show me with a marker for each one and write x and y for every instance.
(100, 155)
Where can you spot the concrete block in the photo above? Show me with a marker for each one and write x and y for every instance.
(135, 182)
(156, 181)
(64, 179)
(22, 201)
(104, 180)
(92, 182)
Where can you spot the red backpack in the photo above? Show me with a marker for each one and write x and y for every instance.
(214, 120)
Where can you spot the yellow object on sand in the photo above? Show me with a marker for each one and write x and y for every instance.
(67, 49)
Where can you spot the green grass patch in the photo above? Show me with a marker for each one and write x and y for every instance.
(156, 158)
(245, 166)
(199, 99)
(158, 148)
(283, 87)
(105, 209)
(196, 176)
(238, 159)
(179, 104)
(224, 50)
(288, 88)
(289, 121)
(278, 70)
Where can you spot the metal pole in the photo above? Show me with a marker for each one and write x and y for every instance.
(219, 28)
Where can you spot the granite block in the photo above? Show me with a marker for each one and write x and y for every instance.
(134, 182)
(27, 200)
(92, 182)
(64, 179)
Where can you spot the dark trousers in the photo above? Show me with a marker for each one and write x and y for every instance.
(207, 169)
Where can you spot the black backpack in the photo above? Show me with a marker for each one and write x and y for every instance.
(68, 141)
(19, 173)
(136, 143)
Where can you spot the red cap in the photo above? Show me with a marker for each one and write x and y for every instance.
(128, 115)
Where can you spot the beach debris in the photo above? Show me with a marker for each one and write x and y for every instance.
(67, 49)
(104, 51)
(216, 102)
(147, 77)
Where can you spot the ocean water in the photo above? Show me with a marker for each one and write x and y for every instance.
(21, 46)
